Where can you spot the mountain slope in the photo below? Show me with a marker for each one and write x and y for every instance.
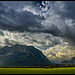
(22, 55)
(73, 60)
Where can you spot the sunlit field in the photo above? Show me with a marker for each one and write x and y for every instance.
(70, 70)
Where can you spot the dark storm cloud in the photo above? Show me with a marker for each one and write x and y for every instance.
(53, 29)
(68, 12)
(12, 20)
(19, 4)
(18, 21)
(68, 9)
(70, 33)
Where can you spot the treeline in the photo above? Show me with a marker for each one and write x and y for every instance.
(61, 66)
(51, 66)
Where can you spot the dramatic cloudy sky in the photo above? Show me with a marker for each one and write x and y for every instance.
(46, 25)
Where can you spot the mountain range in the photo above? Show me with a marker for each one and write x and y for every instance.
(22, 55)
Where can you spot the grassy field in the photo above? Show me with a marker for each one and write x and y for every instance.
(37, 70)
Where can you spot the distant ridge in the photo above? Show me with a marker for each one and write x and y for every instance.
(72, 62)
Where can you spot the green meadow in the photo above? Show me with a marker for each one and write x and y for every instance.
(70, 70)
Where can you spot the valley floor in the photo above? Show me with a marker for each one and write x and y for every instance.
(68, 70)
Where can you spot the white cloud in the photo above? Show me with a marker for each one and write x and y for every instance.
(60, 52)
(70, 22)
(26, 38)
(30, 9)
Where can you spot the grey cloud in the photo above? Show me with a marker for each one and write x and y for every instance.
(18, 4)
(38, 42)
(22, 21)
(65, 9)
(43, 47)
(18, 21)
(7, 42)
(53, 29)
(10, 42)
(69, 13)
(1, 33)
